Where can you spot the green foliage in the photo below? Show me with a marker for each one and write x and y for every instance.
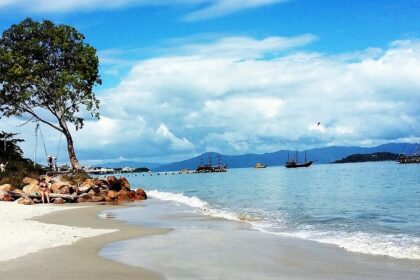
(47, 67)
(9, 149)
(17, 167)
(381, 156)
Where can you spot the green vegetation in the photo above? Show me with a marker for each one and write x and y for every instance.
(48, 69)
(142, 169)
(17, 167)
(384, 156)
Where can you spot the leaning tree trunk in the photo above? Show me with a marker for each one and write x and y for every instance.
(70, 146)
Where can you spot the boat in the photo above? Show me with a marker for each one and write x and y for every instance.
(405, 159)
(209, 168)
(294, 163)
(260, 165)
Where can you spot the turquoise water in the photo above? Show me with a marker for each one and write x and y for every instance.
(371, 208)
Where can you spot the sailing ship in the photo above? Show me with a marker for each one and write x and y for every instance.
(209, 168)
(294, 163)
(414, 158)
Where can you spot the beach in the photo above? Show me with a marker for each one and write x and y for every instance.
(199, 247)
(77, 257)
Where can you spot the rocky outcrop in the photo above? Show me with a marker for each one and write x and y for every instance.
(6, 187)
(91, 190)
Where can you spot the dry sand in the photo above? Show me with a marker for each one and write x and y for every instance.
(79, 260)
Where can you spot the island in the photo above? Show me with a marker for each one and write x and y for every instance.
(380, 156)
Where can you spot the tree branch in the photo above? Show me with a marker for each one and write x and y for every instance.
(31, 112)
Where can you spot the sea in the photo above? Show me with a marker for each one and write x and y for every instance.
(367, 208)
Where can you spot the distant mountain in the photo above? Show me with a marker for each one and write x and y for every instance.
(132, 164)
(320, 155)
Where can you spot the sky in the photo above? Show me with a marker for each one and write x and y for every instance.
(184, 77)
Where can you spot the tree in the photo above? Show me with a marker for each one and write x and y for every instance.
(9, 148)
(48, 72)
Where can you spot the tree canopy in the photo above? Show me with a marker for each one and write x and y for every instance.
(48, 72)
(9, 148)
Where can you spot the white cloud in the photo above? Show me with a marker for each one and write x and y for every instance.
(201, 9)
(224, 7)
(257, 96)
(176, 143)
(228, 96)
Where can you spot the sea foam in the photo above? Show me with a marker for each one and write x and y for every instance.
(396, 246)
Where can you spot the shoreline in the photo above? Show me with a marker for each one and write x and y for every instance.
(199, 246)
(80, 260)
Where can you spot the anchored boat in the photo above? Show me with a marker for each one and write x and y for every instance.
(294, 163)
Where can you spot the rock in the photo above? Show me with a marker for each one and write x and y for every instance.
(95, 189)
(89, 183)
(64, 190)
(57, 186)
(97, 198)
(25, 201)
(30, 181)
(85, 197)
(84, 189)
(19, 191)
(5, 196)
(58, 200)
(112, 194)
(125, 185)
(140, 194)
(31, 189)
(6, 187)
(113, 183)
(131, 194)
(122, 195)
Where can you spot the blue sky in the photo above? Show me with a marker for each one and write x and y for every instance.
(184, 77)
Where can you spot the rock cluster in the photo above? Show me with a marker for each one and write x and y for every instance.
(110, 190)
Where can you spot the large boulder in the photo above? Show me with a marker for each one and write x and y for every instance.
(19, 191)
(112, 195)
(123, 195)
(25, 201)
(5, 196)
(30, 181)
(57, 186)
(85, 197)
(97, 198)
(31, 189)
(58, 200)
(6, 187)
(64, 190)
(125, 185)
(113, 183)
(140, 194)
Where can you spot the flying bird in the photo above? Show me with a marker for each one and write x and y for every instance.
(319, 123)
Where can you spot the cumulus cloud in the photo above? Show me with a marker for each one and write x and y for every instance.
(229, 97)
(257, 95)
(201, 9)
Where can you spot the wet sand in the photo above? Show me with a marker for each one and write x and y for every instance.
(80, 260)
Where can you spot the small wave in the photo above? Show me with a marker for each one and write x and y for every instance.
(399, 246)
(193, 201)
(396, 246)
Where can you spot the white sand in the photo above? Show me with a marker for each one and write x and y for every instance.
(21, 236)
